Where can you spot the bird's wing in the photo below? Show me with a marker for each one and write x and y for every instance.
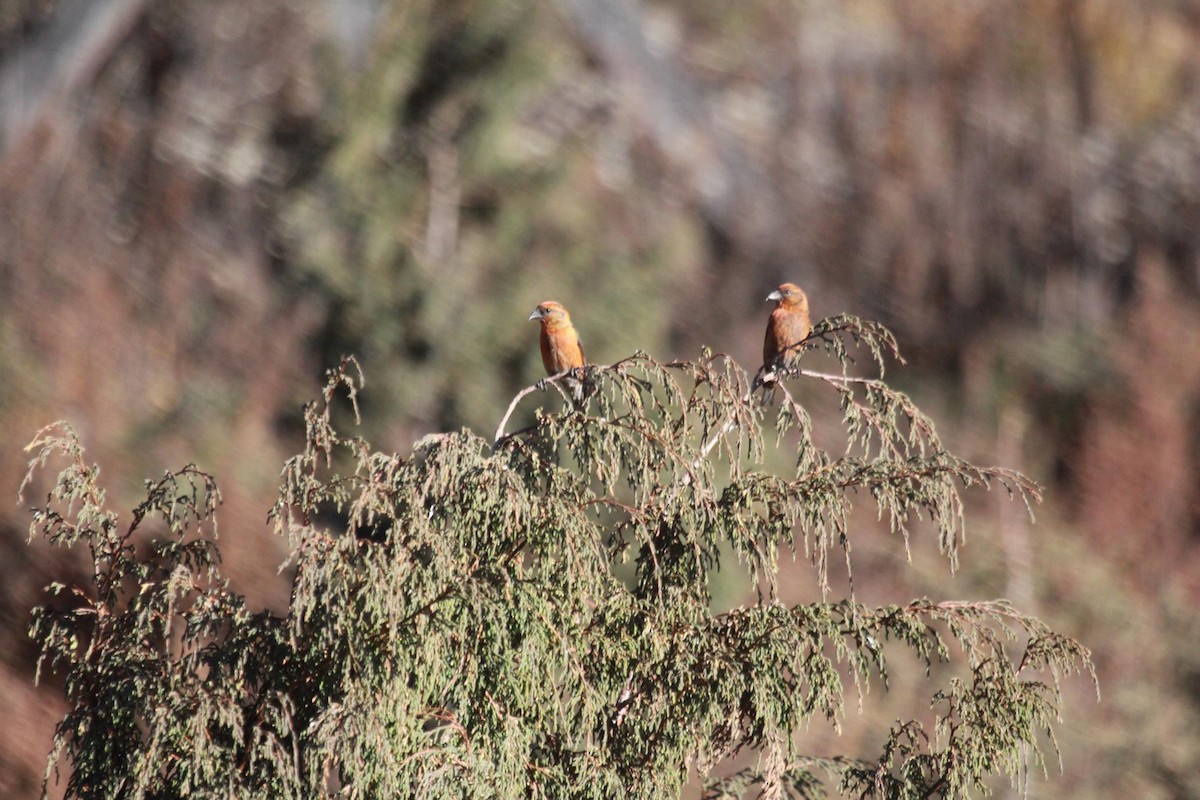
(770, 347)
(798, 329)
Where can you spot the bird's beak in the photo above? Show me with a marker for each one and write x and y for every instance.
(775, 295)
(537, 314)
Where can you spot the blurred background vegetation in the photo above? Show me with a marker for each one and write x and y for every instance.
(204, 202)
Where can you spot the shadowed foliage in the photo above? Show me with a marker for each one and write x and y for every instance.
(532, 616)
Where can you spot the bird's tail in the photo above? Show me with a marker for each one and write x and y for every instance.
(766, 379)
(581, 386)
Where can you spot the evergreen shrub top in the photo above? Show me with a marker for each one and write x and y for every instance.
(529, 616)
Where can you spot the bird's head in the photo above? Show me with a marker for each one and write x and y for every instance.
(550, 314)
(789, 295)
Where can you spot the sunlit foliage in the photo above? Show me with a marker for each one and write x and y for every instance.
(530, 615)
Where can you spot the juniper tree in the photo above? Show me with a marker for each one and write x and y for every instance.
(529, 615)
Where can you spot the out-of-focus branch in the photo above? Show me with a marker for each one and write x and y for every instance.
(1014, 527)
(674, 112)
(353, 21)
(445, 189)
(47, 67)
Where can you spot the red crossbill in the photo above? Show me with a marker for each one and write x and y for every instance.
(561, 348)
(788, 326)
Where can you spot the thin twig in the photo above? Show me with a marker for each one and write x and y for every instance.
(553, 380)
(542, 384)
(834, 378)
(511, 407)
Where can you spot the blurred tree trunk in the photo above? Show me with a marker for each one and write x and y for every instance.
(37, 76)
(733, 195)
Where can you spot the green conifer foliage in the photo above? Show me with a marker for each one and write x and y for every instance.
(461, 623)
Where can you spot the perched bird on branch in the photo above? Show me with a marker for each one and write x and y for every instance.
(787, 329)
(561, 348)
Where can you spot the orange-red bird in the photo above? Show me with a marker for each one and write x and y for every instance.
(788, 326)
(561, 348)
